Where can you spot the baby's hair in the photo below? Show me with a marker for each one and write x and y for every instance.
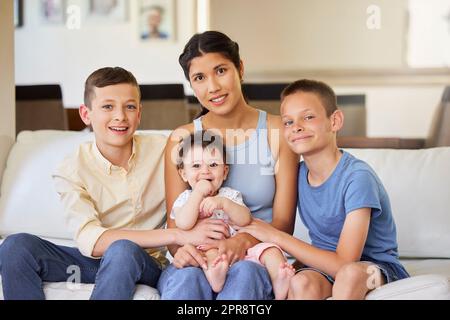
(321, 89)
(206, 139)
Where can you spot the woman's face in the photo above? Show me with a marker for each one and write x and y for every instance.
(216, 82)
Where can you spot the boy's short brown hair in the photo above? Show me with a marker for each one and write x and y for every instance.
(106, 77)
(321, 89)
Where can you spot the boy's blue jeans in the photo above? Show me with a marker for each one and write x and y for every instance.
(246, 280)
(26, 261)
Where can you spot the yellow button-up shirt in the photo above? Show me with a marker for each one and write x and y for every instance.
(98, 195)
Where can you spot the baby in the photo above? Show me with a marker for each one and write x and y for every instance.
(201, 163)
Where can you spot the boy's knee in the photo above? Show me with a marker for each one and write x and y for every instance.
(17, 247)
(351, 273)
(18, 242)
(301, 283)
(123, 250)
(305, 287)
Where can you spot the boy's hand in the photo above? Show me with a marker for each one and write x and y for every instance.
(204, 187)
(208, 205)
(259, 229)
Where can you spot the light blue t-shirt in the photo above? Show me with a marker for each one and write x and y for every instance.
(352, 185)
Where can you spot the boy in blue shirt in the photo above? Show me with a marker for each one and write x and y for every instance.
(341, 201)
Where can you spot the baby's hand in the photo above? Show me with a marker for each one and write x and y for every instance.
(208, 205)
(203, 215)
(205, 187)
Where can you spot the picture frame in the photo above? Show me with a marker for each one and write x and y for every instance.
(157, 20)
(18, 13)
(106, 11)
(53, 11)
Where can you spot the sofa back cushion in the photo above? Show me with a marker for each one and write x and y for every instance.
(28, 201)
(418, 184)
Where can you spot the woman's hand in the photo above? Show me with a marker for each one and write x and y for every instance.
(188, 255)
(261, 230)
(206, 231)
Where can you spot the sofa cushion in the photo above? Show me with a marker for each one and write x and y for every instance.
(418, 182)
(82, 291)
(417, 267)
(70, 291)
(5, 146)
(29, 202)
(425, 287)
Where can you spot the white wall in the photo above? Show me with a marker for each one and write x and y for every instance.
(320, 34)
(286, 40)
(279, 41)
(398, 111)
(55, 54)
(7, 96)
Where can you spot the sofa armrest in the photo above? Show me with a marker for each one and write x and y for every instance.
(5, 145)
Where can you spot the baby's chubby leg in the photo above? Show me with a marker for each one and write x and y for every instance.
(217, 269)
(280, 271)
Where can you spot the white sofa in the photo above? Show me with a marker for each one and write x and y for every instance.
(418, 182)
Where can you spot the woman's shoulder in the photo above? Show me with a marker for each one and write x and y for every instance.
(182, 131)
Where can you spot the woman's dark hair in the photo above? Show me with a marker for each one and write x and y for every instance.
(209, 42)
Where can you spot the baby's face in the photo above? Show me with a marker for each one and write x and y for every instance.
(204, 164)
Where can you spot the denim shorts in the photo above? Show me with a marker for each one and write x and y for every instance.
(390, 271)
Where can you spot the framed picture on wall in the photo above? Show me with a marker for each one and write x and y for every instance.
(52, 11)
(107, 11)
(18, 13)
(156, 20)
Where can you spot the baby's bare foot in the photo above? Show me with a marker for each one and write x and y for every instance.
(281, 282)
(217, 273)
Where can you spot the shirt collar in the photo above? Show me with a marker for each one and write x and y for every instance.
(107, 165)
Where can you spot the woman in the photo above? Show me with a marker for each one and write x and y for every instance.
(262, 167)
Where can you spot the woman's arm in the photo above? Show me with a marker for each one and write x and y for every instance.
(349, 248)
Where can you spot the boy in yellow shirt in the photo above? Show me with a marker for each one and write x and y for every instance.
(113, 194)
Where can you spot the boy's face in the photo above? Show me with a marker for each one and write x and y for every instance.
(114, 115)
(204, 164)
(307, 129)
